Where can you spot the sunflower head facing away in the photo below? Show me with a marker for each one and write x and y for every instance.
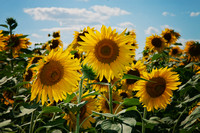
(106, 52)
(155, 42)
(192, 49)
(55, 44)
(157, 93)
(56, 34)
(170, 36)
(175, 51)
(56, 75)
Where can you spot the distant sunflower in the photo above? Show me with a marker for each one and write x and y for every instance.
(155, 42)
(192, 49)
(56, 75)
(106, 52)
(125, 93)
(17, 41)
(157, 94)
(133, 34)
(104, 106)
(170, 36)
(136, 69)
(175, 51)
(7, 98)
(197, 105)
(56, 34)
(55, 44)
(77, 37)
(85, 112)
(33, 60)
(28, 76)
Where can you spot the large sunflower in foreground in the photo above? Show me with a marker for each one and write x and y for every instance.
(106, 52)
(158, 93)
(192, 49)
(136, 69)
(170, 36)
(56, 75)
(155, 42)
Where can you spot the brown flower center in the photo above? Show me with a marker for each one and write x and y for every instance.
(35, 60)
(174, 51)
(168, 37)
(124, 95)
(51, 73)
(54, 44)
(135, 73)
(194, 50)
(16, 41)
(81, 34)
(56, 34)
(156, 42)
(29, 75)
(106, 51)
(157, 87)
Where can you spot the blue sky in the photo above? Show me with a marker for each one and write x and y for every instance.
(37, 18)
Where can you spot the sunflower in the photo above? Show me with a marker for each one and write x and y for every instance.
(17, 41)
(7, 98)
(28, 77)
(55, 43)
(136, 69)
(155, 42)
(85, 112)
(56, 34)
(124, 92)
(103, 103)
(158, 93)
(197, 105)
(175, 51)
(132, 33)
(77, 38)
(56, 75)
(170, 36)
(192, 49)
(34, 60)
(106, 52)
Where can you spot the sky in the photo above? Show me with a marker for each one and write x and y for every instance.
(38, 18)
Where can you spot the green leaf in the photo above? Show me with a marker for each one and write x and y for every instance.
(24, 36)
(88, 72)
(155, 57)
(131, 108)
(191, 99)
(25, 111)
(3, 25)
(129, 76)
(100, 83)
(20, 84)
(131, 102)
(91, 94)
(69, 97)
(51, 109)
(128, 121)
(104, 114)
(5, 123)
(75, 107)
(180, 44)
(189, 120)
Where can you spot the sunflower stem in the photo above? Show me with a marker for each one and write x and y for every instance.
(174, 128)
(143, 122)
(79, 100)
(110, 99)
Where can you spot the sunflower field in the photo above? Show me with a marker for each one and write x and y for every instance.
(96, 85)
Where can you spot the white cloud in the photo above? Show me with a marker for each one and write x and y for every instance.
(165, 26)
(65, 16)
(151, 30)
(36, 35)
(168, 14)
(193, 14)
(69, 28)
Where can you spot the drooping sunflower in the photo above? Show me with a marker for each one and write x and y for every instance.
(56, 75)
(28, 77)
(55, 44)
(85, 112)
(192, 49)
(170, 36)
(106, 52)
(103, 103)
(155, 42)
(16, 42)
(136, 69)
(158, 93)
(175, 51)
(34, 60)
